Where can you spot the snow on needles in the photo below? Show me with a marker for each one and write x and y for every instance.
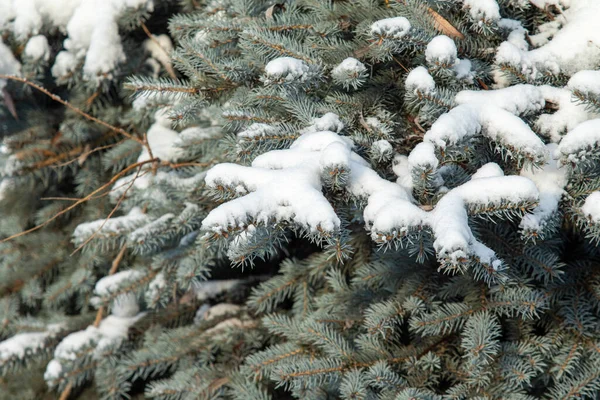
(91, 27)
(390, 28)
(573, 47)
(286, 186)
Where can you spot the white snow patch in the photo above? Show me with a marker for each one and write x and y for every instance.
(419, 80)
(441, 50)
(37, 48)
(591, 207)
(391, 28)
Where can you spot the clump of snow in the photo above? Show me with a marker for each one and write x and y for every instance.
(110, 283)
(423, 156)
(550, 181)
(53, 370)
(586, 82)
(162, 140)
(468, 120)
(441, 50)
(483, 10)
(419, 80)
(160, 47)
(591, 207)
(64, 64)
(37, 48)
(111, 331)
(111, 227)
(567, 117)
(155, 288)
(8, 64)
(285, 185)
(463, 71)
(489, 170)
(286, 69)
(208, 289)
(349, 67)
(390, 28)
(257, 130)
(573, 47)
(349, 72)
(581, 142)
(328, 122)
(21, 344)
(150, 230)
(91, 28)
(517, 99)
(124, 305)
(382, 150)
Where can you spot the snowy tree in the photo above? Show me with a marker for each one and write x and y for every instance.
(305, 199)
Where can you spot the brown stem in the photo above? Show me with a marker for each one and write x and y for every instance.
(73, 108)
(75, 204)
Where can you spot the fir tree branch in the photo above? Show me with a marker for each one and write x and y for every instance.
(83, 200)
(74, 109)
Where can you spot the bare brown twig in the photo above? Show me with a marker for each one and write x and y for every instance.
(80, 201)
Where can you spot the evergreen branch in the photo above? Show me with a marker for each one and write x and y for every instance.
(74, 109)
(80, 201)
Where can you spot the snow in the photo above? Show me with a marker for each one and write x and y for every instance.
(160, 48)
(64, 64)
(550, 181)
(423, 156)
(111, 331)
(53, 370)
(37, 48)
(441, 50)
(221, 309)
(517, 99)
(90, 25)
(489, 170)
(208, 289)
(162, 140)
(577, 144)
(112, 227)
(586, 82)
(155, 288)
(125, 304)
(468, 120)
(567, 117)
(483, 10)
(350, 67)
(574, 47)
(390, 28)
(463, 70)
(8, 64)
(284, 185)
(150, 230)
(258, 130)
(591, 207)
(21, 344)
(335, 156)
(110, 283)
(286, 69)
(382, 149)
(328, 122)
(419, 80)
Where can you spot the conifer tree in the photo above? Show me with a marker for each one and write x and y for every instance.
(406, 191)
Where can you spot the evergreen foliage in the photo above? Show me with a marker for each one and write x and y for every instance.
(404, 196)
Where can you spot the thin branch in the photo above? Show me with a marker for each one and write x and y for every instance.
(115, 208)
(75, 109)
(86, 198)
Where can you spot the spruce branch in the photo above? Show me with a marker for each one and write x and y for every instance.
(82, 200)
